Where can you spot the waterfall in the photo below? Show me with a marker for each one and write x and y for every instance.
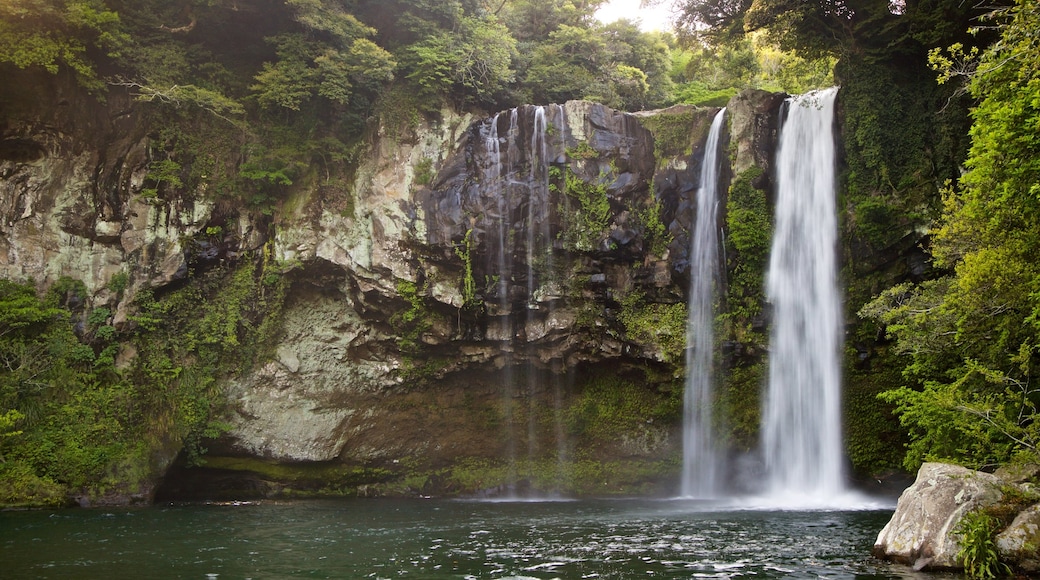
(537, 243)
(701, 462)
(515, 191)
(501, 262)
(802, 438)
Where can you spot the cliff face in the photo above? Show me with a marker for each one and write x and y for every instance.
(482, 270)
(491, 302)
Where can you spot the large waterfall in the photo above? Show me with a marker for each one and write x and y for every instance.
(701, 460)
(802, 437)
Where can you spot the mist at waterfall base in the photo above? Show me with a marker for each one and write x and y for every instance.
(801, 464)
(432, 539)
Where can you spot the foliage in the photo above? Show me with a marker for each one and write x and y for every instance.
(699, 94)
(749, 227)
(971, 336)
(307, 67)
(978, 547)
(469, 285)
(8, 421)
(534, 20)
(566, 65)
(163, 173)
(875, 442)
(611, 407)
(616, 64)
(89, 426)
(641, 77)
(709, 74)
(655, 233)
(332, 58)
(898, 148)
(474, 59)
(56, 34)
(673, 134)
(739, 405)
(410, 324)
(424, 171)
(654, 325)
(586, 224)
(303, 479)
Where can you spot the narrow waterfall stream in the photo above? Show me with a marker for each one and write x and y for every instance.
(502, 263)
(801, 431)
(517, 172)
(701, 459)
(539, 257)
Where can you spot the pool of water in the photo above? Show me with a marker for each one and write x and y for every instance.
(444, 539)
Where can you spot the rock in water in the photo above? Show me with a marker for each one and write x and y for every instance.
(920, 532)
(1020, 542)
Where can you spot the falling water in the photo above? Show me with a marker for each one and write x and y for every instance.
(700, 457)
(802, 426)
(537, 244)
(514, 188)
(495, 180)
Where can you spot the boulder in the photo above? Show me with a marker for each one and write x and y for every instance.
(1020, 542)
(920, 532)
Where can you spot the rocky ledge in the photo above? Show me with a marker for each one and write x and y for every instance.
(925, 531)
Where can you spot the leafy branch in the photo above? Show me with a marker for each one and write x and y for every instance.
(220, 106)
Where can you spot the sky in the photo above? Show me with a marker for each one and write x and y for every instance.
(656, 18)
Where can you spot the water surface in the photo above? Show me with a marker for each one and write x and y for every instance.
(442, 539)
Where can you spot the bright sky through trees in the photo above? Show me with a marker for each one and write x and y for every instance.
(651, 18)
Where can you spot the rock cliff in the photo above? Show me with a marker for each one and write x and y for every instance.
(489, 302)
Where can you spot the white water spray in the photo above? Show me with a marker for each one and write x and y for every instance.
(701, 460)
(802, 435)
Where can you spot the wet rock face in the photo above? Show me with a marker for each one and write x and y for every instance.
(499, 173)
(71, 172)
(501, 281)
(510, 241)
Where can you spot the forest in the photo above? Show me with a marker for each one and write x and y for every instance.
(242, 99)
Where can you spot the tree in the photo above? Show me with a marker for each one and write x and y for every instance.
(8, 422)
(535, 20)
(865, 28)
(647, 52)
(332, 58)
(973, 338)
(474, 60)
(56, 34)
(566, 65)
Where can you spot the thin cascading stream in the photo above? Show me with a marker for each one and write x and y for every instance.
(561, 379)
(535, 239)
(701, 459)
(495, 180)
(516, 187)
(802, 435)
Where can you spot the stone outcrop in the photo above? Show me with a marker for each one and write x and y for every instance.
(922, 531)
(342, 389)
(1020, 541)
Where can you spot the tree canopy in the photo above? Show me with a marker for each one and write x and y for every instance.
(973, 335)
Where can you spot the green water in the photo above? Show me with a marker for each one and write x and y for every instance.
(442, 539)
